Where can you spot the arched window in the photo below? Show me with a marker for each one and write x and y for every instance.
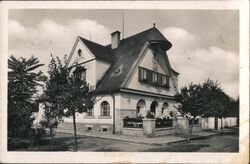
(154, 107)
(105, 109)
(140, 106)
(79, 52)
(164, 107)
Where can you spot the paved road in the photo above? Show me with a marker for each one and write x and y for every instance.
(222, 143)
(227, 142)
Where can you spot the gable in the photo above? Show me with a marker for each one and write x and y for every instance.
(152, 60)
(80, 53)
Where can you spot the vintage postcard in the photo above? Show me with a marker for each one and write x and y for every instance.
(124, 82)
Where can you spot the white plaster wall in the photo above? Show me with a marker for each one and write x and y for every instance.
(129, 102)
(81, 118)
(38, 115)
(86, 54)
(96, 69)
(101, 69)
(146, 62)
(227, 122)
(90, 72)
(208, 123)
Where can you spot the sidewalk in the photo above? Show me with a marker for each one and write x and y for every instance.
(142, 139)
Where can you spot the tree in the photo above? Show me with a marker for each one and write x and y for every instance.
(217, 101)
(191, 103)
(69, 94)
(22, 87)
(206, 99)
(54, 86)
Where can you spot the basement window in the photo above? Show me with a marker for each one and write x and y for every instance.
(89, 128)
(104, 129)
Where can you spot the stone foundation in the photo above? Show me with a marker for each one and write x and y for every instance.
(83, 127)
(164, 131)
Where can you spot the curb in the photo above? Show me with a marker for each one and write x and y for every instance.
(142, 142)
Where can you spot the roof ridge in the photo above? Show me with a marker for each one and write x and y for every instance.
(91, 42)
(136, 34)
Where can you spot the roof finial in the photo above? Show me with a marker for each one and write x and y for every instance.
(154, 25)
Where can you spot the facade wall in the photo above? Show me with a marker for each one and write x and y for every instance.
(146, 62)
(100, 70)
(96, 118)
(95, 69)
(39, 114)
(83, 127)
(86, 54)
(128, 103)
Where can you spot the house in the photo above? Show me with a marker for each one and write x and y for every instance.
(130, 76)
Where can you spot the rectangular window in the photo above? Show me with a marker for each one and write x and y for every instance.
(153, 77)
(142, 74)
(90, 112)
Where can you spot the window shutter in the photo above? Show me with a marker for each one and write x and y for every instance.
(159, 79)
(140, 74)
(167, 82)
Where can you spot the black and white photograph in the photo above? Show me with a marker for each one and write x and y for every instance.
(128, 80)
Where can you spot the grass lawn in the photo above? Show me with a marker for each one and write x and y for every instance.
(45, 144)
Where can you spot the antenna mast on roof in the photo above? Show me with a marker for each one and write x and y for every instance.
(123, 25)
(90, 35)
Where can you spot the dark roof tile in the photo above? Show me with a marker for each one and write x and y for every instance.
(100, 52)
(126, 55)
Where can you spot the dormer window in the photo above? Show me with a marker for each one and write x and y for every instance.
(153, 77)
(80, 73)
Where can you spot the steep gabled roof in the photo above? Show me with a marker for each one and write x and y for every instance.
(124, 58)
(100, 51)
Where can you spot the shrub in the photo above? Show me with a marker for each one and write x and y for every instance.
(150, 115)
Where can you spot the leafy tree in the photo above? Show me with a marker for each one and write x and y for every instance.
(54, 86)
(22, 87)
(191, 103)
(68, 93)
(206, 99)
(217, 101)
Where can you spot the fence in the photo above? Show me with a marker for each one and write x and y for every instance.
(163, 123)
(132, 122)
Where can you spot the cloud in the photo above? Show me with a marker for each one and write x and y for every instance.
(180, 37)
(188, 56)
(50, 37)
(196, 63)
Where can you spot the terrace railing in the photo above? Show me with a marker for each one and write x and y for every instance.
(132, 122)
(163, 123)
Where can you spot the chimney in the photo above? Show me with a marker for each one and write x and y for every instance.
(115, 39)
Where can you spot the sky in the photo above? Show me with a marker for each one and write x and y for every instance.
(205, 42)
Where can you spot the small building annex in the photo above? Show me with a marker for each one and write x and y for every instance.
(131, 76)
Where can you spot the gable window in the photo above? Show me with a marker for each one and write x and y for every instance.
(153, 77)
(105, 109)
(80, 73)
(90, 112)
(79, 52)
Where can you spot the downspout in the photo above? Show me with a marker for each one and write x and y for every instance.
(113, 113)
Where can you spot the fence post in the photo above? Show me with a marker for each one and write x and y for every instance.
(149, 127)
